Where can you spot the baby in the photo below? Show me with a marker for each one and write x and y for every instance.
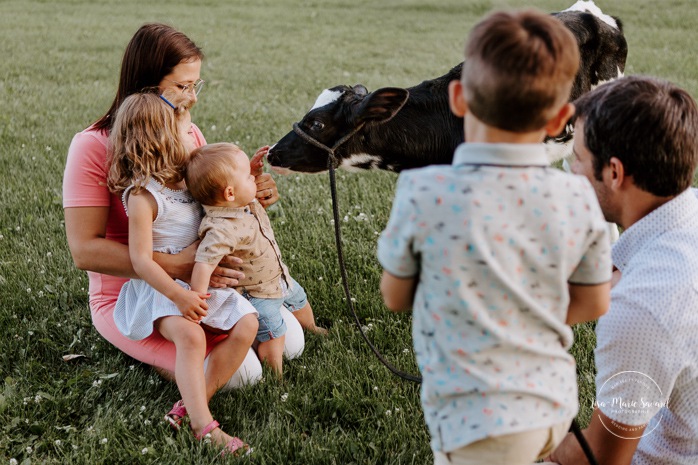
(218, 176)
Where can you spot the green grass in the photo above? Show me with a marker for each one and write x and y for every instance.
(266, 63)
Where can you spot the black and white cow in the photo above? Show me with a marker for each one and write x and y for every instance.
(414, 127)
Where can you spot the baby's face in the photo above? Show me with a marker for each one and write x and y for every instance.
(243, 182)
(186, 133)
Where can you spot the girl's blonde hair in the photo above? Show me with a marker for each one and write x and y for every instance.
(144, 142)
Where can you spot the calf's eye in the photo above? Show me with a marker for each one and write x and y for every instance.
(317, 126)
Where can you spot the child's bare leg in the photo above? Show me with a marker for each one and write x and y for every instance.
(190, 341)
(271, 352)
(306, 318)
(225, 359)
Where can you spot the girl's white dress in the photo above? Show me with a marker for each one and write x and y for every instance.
(175, 228)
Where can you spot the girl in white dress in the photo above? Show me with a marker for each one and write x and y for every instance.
(150, 145)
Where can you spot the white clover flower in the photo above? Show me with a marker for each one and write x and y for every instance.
(97, 383)
(3, 237)
(131, 367)
(30, 333)
(405, 351)
(41, 293)
(29, 290)
(320, 278)
(375, 388)
(49, 254)
(13, 461)
(57, 442)
(142, 408)
(48, 148)
(397, 409)
(147, 422)
(213, 127)
(144, 450)
(37, 399)
(284, 397)
(17, 228)
(388, 413)
(346, 218)
(29, 450)
(104, 440)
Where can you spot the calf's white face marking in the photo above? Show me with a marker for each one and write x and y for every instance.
(327, 96)
(590, 6)
(352, 162)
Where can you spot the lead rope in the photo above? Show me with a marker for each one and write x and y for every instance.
(345, 280)
(331, 163)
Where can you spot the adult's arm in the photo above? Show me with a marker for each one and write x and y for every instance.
(91, 251)
(588, 302)
(398, 293)
(610, 441)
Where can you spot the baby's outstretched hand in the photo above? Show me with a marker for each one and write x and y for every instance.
(257, 161)
(192, 305)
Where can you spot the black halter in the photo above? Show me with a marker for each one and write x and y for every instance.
(330, 151)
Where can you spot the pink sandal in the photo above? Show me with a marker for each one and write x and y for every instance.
(232, 447)
(179, 411)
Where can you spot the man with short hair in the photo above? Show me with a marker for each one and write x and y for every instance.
(637, 142)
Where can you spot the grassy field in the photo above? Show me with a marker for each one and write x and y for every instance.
(266, 63)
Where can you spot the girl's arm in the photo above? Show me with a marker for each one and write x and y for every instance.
(201, 276)
(142, 210)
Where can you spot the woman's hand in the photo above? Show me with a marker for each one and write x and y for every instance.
(267, 193)
(224, 275)
(180, 266)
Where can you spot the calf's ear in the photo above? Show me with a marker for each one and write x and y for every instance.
(381, 105)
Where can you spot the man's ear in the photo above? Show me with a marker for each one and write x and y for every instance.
(616, 173)
(456, 99)
(229, 194)
(558, 122)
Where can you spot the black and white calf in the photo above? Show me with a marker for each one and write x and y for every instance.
(399, 128)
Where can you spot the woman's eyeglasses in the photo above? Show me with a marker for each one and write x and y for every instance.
(194, 88)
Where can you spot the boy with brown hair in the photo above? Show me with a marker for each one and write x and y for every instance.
(499, 253)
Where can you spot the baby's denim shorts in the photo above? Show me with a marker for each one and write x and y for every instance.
(271, 323)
